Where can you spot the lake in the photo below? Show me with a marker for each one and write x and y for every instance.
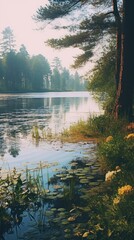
(55, 111)
(51, 111)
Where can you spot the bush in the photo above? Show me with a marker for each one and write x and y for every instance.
(105, 125)
(117, 152)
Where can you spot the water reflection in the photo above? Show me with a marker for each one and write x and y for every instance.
(19, 112)
(31, 214)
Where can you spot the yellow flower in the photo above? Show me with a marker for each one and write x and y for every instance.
(125, 190)
(71, 219)
(130, 136)
(109, 139)
(116, 200)
(85, 234)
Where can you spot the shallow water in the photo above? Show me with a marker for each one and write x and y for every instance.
(54, 111)
(58, 162)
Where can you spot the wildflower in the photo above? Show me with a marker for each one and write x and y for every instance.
(130, 126)
(85, 234)
(116, 200)
(71, 219)
(118, 169)
(130, 136)
(109, 139)
(111, 174)
(78, 234)
(125, 190)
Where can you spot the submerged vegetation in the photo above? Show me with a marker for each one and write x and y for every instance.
(92, 198)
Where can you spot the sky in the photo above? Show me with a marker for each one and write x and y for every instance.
(18, 15)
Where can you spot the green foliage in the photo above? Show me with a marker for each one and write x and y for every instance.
(95, 127)
(8, 41)
(89, 28)
(40, 70)
(118, 152)
(56, 79)
(105, 125)
(16, 196)
(106, 212)
(77, 132)
(49, 13)
(56, 10)
(102, 80)
(19, 72)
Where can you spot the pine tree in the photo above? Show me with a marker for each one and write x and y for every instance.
(8, 41)
(113, 17)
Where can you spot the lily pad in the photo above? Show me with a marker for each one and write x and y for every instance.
(60, 175)
(90, 177)
(62, 214)
(61, 209)
(57, 186)
(80, 174)
(89, 164)
(84, 180)
(64, 222)
(59, 195)
(93, 183)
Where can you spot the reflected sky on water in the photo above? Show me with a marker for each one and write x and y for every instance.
(54, 111)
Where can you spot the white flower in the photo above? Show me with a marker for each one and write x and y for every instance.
(111, 174)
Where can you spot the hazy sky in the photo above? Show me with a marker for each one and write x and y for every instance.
(18, 15)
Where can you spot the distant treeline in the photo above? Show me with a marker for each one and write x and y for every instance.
(20, 73)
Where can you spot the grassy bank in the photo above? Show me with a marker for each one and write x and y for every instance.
(111, 205)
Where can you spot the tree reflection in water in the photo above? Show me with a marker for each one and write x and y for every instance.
(19, 113)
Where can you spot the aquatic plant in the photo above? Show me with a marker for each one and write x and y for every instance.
(79, 131)
(17, 195)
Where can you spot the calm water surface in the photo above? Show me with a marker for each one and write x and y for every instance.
(55, 111)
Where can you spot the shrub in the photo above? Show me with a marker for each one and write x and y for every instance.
(118, 152)
(105, 125)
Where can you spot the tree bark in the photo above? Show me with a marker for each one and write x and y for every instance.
(118, 41)
(125, 90)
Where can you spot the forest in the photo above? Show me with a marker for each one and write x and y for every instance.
(21, 73)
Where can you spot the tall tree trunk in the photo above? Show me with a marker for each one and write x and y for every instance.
(124, 98)
(118, 41)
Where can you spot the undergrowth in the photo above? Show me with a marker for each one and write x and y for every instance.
(111, 205)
